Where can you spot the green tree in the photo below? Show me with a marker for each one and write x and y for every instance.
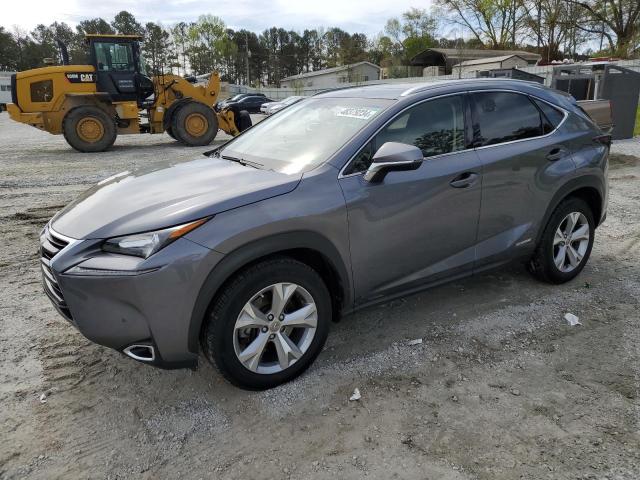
(413, 32)
(310, 50)
(95, 25)
(124, 23)
(180, 40)
(157, 48)
(381, 50)
(45, 37)
(8, 51)
(206, 39)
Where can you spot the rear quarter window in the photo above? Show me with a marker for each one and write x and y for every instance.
(504, 117)
(551, 116)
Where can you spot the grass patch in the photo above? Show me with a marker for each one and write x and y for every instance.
(636, 130)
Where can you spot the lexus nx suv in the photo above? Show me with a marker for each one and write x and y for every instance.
(343, 200)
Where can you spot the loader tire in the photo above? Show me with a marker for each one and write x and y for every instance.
(89, 129)
(243, 120)
(170, 132)
(194, 124)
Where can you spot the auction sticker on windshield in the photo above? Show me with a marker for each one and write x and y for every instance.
(361, 113)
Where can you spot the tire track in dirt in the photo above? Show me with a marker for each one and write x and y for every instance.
(67, 359)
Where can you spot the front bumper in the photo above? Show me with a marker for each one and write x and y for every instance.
(121, 301)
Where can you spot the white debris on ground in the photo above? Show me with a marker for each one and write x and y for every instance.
(572, 319)
(417, 341)
(355, 396)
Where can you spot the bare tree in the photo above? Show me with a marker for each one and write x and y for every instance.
(616, 20)
(552, 23)
(495, 23)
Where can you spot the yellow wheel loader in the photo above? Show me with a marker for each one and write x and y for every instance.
(92, 104)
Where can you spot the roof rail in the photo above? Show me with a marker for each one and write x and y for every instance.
(440, 83)
(336, 89)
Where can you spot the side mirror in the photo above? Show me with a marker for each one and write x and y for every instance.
(393, 156)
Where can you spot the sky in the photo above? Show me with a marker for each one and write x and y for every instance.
(365, 16)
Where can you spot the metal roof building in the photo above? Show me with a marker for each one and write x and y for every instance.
(334, 77)
(448, 57)
(490, 63)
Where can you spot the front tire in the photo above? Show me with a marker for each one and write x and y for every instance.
(268, 324)
(194, 124)
(566, 243)
(243, 120)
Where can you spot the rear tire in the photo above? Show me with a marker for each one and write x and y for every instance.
(566, 243)
(226, 343)
(89, 129)
(194, 124)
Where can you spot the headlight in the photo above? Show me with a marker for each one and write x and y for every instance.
(146, 244)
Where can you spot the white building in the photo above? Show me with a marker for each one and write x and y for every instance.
(334, 77)
(5, 89)
(489, 63)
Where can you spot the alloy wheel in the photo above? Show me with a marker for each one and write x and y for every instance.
(275, 328)
(571, 241)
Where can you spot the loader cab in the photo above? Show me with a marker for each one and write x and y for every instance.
(119, 67)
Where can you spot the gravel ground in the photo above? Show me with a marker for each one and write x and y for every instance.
(500, 388)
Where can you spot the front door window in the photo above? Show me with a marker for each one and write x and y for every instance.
(436, 127)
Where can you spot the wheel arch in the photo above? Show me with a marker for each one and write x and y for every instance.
(100, 100)
(166, 118)
(589, 188)
(54, 119)
(310, 248)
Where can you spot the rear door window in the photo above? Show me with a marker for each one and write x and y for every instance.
(504, 117)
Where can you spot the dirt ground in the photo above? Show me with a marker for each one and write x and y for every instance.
(500, 388)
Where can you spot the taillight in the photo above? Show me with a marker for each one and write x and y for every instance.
(603, 140)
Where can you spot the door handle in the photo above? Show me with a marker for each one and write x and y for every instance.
(464, 180)
(556, 153)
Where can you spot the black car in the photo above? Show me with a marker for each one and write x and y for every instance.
(250, 103)
(238, 96)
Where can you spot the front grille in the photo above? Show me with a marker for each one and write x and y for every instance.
(50, 246)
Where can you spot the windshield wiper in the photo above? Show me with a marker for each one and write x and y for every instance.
(212, 153)
(242, 161)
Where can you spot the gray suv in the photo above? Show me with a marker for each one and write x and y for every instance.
(343, 200)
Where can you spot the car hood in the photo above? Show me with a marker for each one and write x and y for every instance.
(149, 200)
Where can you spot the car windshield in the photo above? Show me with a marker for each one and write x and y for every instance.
(304, 135)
